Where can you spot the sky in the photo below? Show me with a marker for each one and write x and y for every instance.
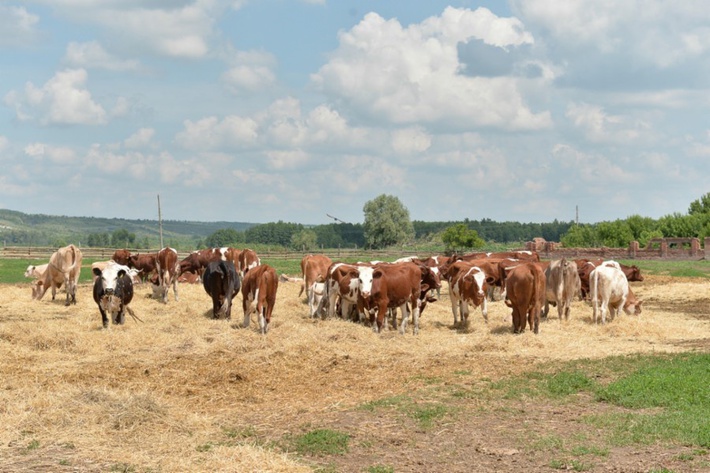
(298, 110)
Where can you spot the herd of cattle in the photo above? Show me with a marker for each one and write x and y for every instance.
(366, 292)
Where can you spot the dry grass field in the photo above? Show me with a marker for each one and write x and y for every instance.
(180, 392)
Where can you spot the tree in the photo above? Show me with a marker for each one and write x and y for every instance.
(304, 240)
(700, 206)
(224, 237)
(387, 222)
(459, 237)
(121, 238)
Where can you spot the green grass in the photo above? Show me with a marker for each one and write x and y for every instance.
(320, 442)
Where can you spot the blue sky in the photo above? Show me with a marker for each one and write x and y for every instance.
(266, 110)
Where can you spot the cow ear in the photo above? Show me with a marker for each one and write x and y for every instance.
(424, 287)
(121, 273)
(377, 273)
(96, 271)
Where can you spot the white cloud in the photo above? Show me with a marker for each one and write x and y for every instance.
(658, 32)
(139, 139)
(17, 25)
(178, 29)
(411, 140)
(212, 133)
(63, 100)
(600, 126)
(54, 154)
(92, 55)
(413, 74)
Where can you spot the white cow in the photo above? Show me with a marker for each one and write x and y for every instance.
(562, 285)
(610, 292)
(35, 272)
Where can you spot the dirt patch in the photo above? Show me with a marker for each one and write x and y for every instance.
(183, 392)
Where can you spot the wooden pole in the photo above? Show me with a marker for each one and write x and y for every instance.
(160, 223)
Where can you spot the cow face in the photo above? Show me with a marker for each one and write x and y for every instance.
(109, 277)
(29, 271)
(364, 280)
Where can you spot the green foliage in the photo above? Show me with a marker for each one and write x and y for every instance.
(278, 233)
(305, 240)
(580, 236)
(687, 226)
(616, 234)
(224, 237)
(122, 238)
(460, 237)
(387, 222)
(700, 206)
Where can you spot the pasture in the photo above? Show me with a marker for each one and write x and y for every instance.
(180, 392)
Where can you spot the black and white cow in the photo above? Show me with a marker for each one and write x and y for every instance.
(113, 291)
(222, 283)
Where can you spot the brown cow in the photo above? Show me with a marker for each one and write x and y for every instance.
(525, 294)
(259, 294)
(562, 285)
(121, 256)
(64, 267)
(399, 285)
(144, 263)
(167, 267)
(197, 261)
(314, 269)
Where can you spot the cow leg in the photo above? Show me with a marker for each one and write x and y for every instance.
(175, 287)
(484, 310)
(455, 308)
(464, 313)
(104, 317)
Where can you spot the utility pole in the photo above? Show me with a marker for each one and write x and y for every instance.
(160, 223)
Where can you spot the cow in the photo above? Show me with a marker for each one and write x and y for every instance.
(222, 283)
(525, 294)
(113, 291)
(259, 294)
(189, 277)
(524, 255)
(314, 269)
(344, 284)
(248, 259)
(122, 257)
(610, 292)
(64, 267)
(168, 268)
(35, 272)
(467, 284)
(562, 285)
(584, 269)
(197, 261)
(144, 263)
(403, 285)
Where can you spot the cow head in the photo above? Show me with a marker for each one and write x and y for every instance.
(633, 307)
(29, 271)
(364, 280)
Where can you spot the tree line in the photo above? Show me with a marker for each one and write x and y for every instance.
(387, 223)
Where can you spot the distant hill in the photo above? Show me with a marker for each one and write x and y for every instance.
(17, 228)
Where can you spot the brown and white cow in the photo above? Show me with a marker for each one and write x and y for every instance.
(468, 284)
(401, 285)
(167, 266)
(314, 269)
(525, 294)
(259, 295)
(248, 259)
(610, 292)
(64, 267)
(189, 277)
(342, 288)
(562, 286)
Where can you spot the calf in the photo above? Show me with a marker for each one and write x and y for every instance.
(35, 272)
(168, 268)
(397, 285)
(525, 294)
(113, 291)
(259, 294)
(610, 292)
(468, 284)
(562, 284)
(222, 283)
(314, 269)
